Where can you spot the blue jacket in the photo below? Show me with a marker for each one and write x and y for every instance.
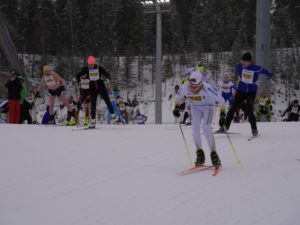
(249, 76)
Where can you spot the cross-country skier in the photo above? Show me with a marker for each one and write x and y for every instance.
(84, 96)
(122, 105)
(227, 89)
(96, 75)
(246, 90)
(56, 88)
(178, 110)
(206, 74)
(113, 98)
(293, 111)
(202, 98)
(14, 87)
(176, 89)
(264, 107)
(139, 118)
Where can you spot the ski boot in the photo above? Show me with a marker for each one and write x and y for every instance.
(86, 121)
(52, 120)
(200, 158)
(114, 118)
(92, 124)
(254, 132)
(215, 159)
(222, 121)
(221, 130)
(70, 118)
(72, 122)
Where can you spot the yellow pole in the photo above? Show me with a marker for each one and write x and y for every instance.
(186, 146)
(233, 150)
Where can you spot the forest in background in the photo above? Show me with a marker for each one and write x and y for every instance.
(122, 36)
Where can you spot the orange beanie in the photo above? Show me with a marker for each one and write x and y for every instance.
(91, 60)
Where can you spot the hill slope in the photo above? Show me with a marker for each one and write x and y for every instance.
(127, 175)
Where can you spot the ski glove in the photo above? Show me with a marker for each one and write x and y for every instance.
(176, 113)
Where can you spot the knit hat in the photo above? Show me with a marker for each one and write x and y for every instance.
(196, 79)
(21, 78)
(247, 57)
(91, 60)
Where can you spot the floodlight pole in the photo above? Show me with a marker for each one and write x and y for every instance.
(263, 40)
(155, 6)
(158, 94)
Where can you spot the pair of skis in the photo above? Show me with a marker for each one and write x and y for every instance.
(224, 132)
(207, 167)
(216, 170)
(85, 128)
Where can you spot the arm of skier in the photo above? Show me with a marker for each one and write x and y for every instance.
(104, 72)
(180, 97)
(145, 118)
(216, 95)
(41, 85)
(287, 110)
(266, 72)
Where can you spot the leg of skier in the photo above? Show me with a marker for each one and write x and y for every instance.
(51, 109)
(71, 111)
(207, 121)
(250, 99)
(196, 125)
(94, 96)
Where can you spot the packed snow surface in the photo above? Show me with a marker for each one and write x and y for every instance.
(126, 175)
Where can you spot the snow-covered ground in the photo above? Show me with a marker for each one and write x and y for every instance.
(119, 175)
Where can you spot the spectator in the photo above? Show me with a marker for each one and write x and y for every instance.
(14, 87)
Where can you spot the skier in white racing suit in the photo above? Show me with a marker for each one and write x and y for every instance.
(202, 97)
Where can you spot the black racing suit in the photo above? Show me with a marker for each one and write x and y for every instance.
(97, 87)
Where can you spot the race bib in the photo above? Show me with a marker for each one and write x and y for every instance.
(50, 82)
(195, 98)
(111, 97)
(247, 76)
(94, 74)
(84, 83)
(122, 106)
(226, 88)
(262, 102)
(139, 119)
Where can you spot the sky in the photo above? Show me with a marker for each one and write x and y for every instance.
(117, 175)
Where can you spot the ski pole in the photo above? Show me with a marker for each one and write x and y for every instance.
(233, 150)
(185, 145)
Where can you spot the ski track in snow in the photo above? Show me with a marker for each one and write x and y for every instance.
(127, 175)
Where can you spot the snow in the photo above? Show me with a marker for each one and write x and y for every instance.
(127, 175)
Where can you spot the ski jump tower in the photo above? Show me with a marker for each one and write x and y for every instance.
(8, 49)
